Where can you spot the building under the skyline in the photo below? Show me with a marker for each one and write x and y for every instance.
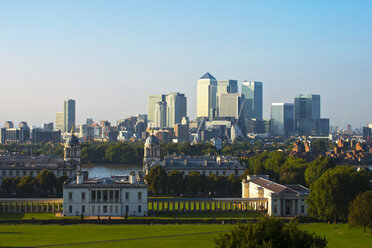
(176, 108)
(253, 92)
(282, 119)
(152, 100)
(206, 96)
(60, 121)
(69, 114)
(229, 105)
(161, 114)
(307, 116)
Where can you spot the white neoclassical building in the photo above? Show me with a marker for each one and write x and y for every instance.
(115, 196)
(283, 200)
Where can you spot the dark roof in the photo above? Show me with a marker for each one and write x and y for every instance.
(278, 188)
(207, 76)
(72, 140)
(152, 140)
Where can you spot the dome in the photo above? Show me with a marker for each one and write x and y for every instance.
(152, 140)
(72, 141)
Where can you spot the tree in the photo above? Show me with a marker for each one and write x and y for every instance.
(26, 185)
(175, 182)
(360, 213)
(157, 180)
(316, 168)
(292, 171)
(47, 181)
(59, 186)
(270, 232)
(192, 182)
(7, 185)
(234, 185)
(211, 183)
(331, 194)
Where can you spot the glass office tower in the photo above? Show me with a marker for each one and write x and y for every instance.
(281, 119)
(206, 96)
(253, 92)
(69, 115)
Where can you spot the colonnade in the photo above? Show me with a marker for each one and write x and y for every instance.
(31, 206)
(200, 205)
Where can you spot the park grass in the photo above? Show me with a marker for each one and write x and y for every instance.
(209, 215)
(36, 235)
(29, 216)
(340, 235)
(337, 235)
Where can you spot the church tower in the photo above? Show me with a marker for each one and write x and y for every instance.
(72, 152)
(152, 150)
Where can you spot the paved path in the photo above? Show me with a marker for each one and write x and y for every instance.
(128, 239)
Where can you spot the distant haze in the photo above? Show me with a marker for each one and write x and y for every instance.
(110, 55)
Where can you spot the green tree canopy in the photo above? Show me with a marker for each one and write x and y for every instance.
(360, 213)
(270, 232)
(27, 185)
(157, 180)
(332, 193)
(47, 181)
(316, 168)
(292, 171)
(175, 182)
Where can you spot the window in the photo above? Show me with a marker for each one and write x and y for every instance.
(70, 196)
(139, 208)
(105, 194)
(17, 172)
(24, 173)
(223, 173)
(111, 209)
(275, 209)
(10, 173)
(83, 196)
(116, 209)
(139, 195)
(217, 172)
(302, 209)
(98, 195)
(126, 209)
(4, 173)
(111, 195)
(104, 209)
(70, 209)
(117, 195)
(98, 209)
(93, 197)
(83, 209)
(204, 173)
(126, 195)
(93, 209)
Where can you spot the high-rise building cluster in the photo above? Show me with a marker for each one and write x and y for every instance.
(223, 114)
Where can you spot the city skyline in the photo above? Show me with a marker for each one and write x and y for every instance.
(109, 60)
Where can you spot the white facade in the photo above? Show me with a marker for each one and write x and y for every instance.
(206, 96)
(105, 197)
(283, 200)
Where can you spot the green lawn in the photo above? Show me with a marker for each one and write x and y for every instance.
(209, 215)
(153, 235)
(339, 235)
(34, 235)
(28, 216)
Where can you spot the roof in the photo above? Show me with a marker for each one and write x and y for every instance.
(279, 188)
(106, 182)
(207, 76)
(73, 140)
(152, 140)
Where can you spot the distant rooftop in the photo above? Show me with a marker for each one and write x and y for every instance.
(207, 76)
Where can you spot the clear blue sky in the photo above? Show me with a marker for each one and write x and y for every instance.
(109, 55)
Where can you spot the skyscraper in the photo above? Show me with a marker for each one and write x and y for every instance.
(307, 116)
(281, 119)
(176, 108)
(253, 92)
(230, 104)
(152, 100)
(161, 114)
(223, 87)
(206, 96)
(60, 121)
(69, 115)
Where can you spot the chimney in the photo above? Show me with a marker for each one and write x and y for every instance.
(132, 177)
(79, 178)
